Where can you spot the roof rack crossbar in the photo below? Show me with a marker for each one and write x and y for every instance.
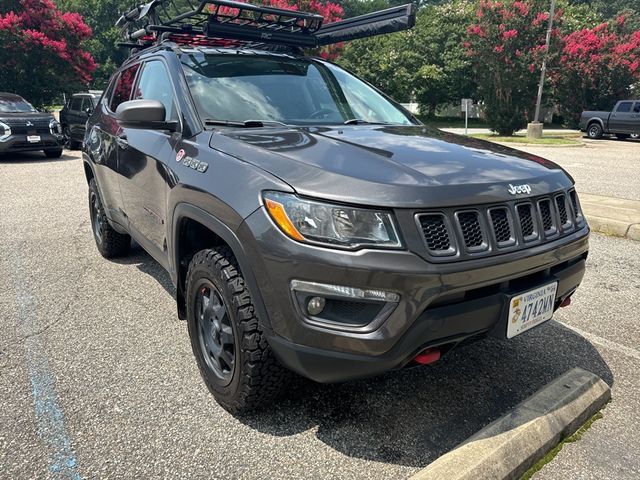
(236, 23)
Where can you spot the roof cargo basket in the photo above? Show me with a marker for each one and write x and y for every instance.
(232, 23)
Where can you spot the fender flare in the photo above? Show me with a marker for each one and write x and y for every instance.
(188, 211)
(597, 120)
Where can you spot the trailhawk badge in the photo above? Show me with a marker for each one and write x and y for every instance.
(519, 189)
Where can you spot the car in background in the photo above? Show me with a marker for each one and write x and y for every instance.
(25, 129)
(75, 114)
(623, 121)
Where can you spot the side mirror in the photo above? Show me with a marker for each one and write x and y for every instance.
(144, 114)
(88, 111)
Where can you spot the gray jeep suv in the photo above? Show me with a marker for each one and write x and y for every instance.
(310, 223)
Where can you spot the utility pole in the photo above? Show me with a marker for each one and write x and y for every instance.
(534, 130)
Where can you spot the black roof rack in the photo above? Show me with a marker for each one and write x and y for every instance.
(235, 24)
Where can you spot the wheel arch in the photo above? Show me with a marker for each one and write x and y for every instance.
(596, 120)
(194, 229)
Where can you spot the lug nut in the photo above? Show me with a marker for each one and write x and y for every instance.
(316, 305)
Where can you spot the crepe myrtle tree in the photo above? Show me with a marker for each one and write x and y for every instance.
(506, 43)
(597, 67)
(43, 53)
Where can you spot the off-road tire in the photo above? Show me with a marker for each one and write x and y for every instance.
(594, 131)
(257, 377)
(53, 153)
(623, 136)
(110, 243)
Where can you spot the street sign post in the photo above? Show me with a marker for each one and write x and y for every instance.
(467, 103)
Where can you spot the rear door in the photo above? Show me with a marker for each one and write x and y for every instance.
(73, 116)
(621, 120)
(143, 163)
(635, 119)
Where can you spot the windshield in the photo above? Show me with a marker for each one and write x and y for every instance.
(282, 89)
(15, 106)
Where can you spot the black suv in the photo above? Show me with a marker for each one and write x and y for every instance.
(311, 224)
(75, 114)
(25, 129)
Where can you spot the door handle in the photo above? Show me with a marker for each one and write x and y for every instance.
(122, 142)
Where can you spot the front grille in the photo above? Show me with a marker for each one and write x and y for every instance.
(19, 126)
(464, 233)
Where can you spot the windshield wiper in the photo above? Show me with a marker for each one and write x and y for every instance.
(359, 121)
(244, 124)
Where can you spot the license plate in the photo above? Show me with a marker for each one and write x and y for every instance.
(530, 309)
(33, 138)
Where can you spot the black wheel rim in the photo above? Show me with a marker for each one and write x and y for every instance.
(96, 218)
(215, 331)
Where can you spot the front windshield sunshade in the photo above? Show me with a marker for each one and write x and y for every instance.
(283, 89)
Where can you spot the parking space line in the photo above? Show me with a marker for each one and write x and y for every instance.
(49, 415)
(603, 342)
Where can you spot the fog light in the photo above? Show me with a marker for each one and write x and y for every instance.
(316, 305)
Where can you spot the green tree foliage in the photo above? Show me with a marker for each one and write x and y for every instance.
(506, 44)
(427, 64)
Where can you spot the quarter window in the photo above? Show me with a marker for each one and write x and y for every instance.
(155, 84)
(124, 85)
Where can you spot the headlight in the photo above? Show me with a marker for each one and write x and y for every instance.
(55, 127)
(5, 131)
(332, 225)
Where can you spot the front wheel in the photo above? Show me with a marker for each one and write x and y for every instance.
(110, 243)
(232, 353)
(595, 131)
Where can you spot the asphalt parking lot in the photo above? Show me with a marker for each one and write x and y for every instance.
(97, 378)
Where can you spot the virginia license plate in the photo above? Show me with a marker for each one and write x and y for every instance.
(33, 139)
(530, 309)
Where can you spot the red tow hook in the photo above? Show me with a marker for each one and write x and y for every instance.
(429, 356)
(566, 302)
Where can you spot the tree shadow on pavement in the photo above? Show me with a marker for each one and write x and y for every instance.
(411, 417)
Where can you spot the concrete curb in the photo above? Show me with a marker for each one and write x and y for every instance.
(612, 216)
(511, 445)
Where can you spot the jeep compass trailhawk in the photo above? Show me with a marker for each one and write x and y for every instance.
(308, 221)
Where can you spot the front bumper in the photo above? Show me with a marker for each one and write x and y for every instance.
(439, 304)
(19, 143)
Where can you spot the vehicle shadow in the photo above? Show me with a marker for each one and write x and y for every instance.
(38, 157)
(413, 416)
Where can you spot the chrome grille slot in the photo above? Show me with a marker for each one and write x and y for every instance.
(563, 212)
(527, 225)
(576, 207)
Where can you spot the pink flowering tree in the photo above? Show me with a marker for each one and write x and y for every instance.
(596, 68)
(506, 44)
(42, 54)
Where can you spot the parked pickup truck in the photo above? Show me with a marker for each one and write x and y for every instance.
(623, 122)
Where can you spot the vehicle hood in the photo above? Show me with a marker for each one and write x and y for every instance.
(396, 166)
(15, 117)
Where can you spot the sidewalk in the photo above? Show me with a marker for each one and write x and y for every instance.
(612, 216)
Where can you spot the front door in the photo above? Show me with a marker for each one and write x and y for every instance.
(621, 120)
(142, 164)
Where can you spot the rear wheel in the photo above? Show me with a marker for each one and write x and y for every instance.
(53, 153)
(622, 136)
(595, 131)
(109, 242)
(234, 358)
